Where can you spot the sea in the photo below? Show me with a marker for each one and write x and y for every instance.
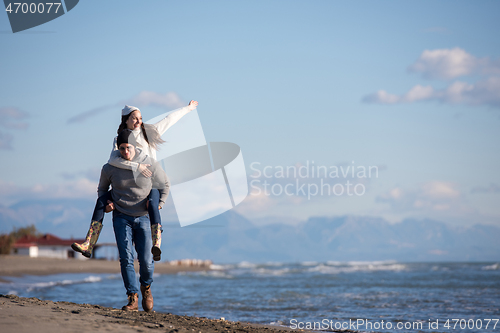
(379, 296)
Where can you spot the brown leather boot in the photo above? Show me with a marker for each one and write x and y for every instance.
(147, 298)
(133, 303)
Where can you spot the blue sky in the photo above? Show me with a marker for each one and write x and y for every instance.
(410, 87)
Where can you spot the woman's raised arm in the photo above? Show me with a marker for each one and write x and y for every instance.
(163, 125)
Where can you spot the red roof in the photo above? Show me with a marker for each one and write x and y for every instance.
(26, 241)
(45, 240)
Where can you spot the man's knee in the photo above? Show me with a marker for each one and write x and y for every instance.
(127, 260)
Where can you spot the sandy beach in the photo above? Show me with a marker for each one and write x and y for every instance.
(19, 314)
(23, 265)
(28, 315)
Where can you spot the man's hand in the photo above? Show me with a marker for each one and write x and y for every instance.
(143, 168)
(192, 105)
(110, 207)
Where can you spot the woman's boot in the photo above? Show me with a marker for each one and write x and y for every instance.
(92, 235)
(156, 236)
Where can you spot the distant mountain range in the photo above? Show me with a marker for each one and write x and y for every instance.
(232, 238)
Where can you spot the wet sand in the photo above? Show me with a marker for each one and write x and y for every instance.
(28, 315)
(23, 265)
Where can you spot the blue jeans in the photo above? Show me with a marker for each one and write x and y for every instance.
(154, 202)
(134, 230)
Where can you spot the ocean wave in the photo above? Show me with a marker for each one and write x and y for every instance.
(267, 293)
(361, 263)
(330, 267)
(275, 264)
(216, 273)
(493, 267)
(244, 268)
(358, 267)
(217, 267)
(48, 284)
(309, 263)
(365, 263)
(246, 264)
(262, 271)
(92, 279)
(278, 323)
(31, 283)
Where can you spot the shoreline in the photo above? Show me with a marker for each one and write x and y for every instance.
(21, 265)
(27, 315)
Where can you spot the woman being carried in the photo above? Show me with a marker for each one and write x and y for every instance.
(148, 137)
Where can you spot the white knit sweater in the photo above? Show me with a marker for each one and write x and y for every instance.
(162, 126)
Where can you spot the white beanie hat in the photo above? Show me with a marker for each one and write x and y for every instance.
(128, 109)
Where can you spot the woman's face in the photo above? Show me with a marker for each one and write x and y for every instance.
(134, 121)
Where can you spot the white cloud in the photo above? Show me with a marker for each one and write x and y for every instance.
(79, 188)
(382, 97)
(418, 93)
(415, 94)
(255, 204)
(455, 93)
(439, 190)
(446, 64)
(434, 196)
(485, 92)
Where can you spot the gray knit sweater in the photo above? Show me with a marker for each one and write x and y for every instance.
(130, 189)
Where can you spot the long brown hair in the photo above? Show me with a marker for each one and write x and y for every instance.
(151, 135)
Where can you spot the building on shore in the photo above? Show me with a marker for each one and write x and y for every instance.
(47, 246)
(51, 246)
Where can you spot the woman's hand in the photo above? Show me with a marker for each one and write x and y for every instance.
(143, 168)
(110, 207)
(192, 105)
(147, 205)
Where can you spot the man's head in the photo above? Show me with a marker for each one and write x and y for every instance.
(126, 144)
